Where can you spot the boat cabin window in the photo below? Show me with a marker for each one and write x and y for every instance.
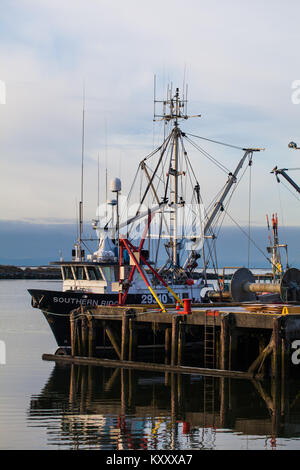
(80, 273)
(94, 273)
(108, 272)
(67, 272)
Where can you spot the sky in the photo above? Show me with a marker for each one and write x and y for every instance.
(239, 59)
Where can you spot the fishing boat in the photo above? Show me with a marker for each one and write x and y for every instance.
(127, 266)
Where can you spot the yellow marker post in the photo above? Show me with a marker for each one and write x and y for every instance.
(131, 254)
(127, 243)
(156, 298)
(175, 296)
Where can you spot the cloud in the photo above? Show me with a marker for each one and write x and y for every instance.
(239, 60)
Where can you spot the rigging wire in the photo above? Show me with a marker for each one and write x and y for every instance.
(216, 142)
(252, 241)
(233, 191)
(134, 180)
(187, 159)
(281, 210)
(223, 217)
(290, 169)
(216, 259)
(158, 243)
(293, 194)
(210, 256)
(215, 234)
(155, 175)
(214, 202)
(225, 209)
(209, 157)
(157, 149)
(189, 165)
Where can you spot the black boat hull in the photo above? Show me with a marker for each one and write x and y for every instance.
(57, 305)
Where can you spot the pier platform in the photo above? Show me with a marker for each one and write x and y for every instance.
(238, 340)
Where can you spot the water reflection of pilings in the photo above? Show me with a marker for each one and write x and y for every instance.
(172, 410)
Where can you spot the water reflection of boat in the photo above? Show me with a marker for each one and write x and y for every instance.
(119, 409)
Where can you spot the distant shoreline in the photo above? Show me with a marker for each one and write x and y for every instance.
(15, 272)
(45, 272)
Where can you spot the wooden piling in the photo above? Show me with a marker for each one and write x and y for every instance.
(174, 401)
(276, 354)
(83, 379)
(112, 335)
(167, 346)
(132, 340)
(167, 379)
(124, 393)
(224, 402)
(125, 336)
(131, 387)
(181, 342)
(179, 392)
(91, 337)
(218, 350)
(276, 398)
(73, 333)
(224, 340)
(72, 393)
(285, 349)
(233, 345)
(84, 336)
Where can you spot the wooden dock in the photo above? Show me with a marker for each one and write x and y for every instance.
(236, 340)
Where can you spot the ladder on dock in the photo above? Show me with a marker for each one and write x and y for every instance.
(210, 339)
(209, 433)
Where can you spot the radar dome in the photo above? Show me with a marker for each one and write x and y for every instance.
(115, 185)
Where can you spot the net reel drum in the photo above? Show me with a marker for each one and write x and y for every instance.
(243, 287)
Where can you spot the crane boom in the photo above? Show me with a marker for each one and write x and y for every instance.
(283, 173)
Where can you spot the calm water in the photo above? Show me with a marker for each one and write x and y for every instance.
(43, 406)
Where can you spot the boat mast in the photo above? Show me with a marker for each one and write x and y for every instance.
(174, 108)
(175, 179)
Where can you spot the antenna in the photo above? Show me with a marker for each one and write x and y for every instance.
(82, 163)
(106, 196)
(77, 218)
(98, 187)
(183, 84)
(154, 94)
(154, 100)
(186, 98)
(82, 142)
(174, 107)
(106, 189)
